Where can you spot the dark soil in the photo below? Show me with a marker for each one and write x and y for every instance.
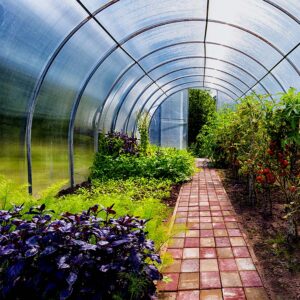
(72, 190)
(279, 262)
(171, 201)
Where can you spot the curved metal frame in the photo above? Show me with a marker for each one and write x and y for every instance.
(113, 125)
(39, 82)
(189, 57)
(155, 91)
(197, 42)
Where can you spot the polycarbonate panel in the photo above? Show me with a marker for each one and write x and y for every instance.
(174, 75)
(93, 5)
(30, 31)
(295, 56)
(238, 71)
(92, 100)
(222, 99)
(115, 96)
(259, 17)
(55, 101)
(163, 36)
(242, 40)
(171, 65)
(192, 49)
(292, 6)
(211, 73)
(137, 108)
(154, 128)
(236, 58)
(180, 80)
(130, 99)
(137, 14)
(287, 75)
(271, 84)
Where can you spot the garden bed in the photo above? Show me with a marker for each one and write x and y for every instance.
(280, 263)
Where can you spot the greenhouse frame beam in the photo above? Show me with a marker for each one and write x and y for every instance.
(270, 70)
(182, 77)
(171, 72)
(152, 94)
(205, 35)
(190, 57)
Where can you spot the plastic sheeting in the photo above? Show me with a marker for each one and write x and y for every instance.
(69, 69)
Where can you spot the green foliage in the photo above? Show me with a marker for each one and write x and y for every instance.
(201, 107)
(165, 163)
(143, 128)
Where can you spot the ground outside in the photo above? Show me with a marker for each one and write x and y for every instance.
(212, 259)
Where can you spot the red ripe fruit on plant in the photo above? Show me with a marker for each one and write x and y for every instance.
(260, 179)
(284, 164)
(270, 152)
(270, 178)
(266, 171)
(293, 189)
(260, 172)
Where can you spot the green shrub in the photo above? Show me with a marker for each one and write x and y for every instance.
(165, 163)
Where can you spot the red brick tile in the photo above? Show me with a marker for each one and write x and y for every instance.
(188, 281)
(191, 253)
(229, 219)
(215, 294)
(172, 283)
(206, 233)
(245, 264)
(205, 219)
(220, 232)
(193, 233)
(203, 208)
(193, 208)
(250, 278)
(174, 267)
(190, 265)
(176, 253)
(210, 280)
(207, 242)
(180, 220)
(176, 243)
(233, 294)
(227, 264)
(256, 294)
(194, 214)
(222, 242)
(188, 295)
(204, 214)
(240, 252)
(207, 253)
(216, 213)
(224, 252)
(234, 232)
(185, 208)
(191, 242)
(205, 226)
(230, 279)
(167, 296)
(193, 219)
(237, 241)
(218, 225)
(232, 225)
(209, 265)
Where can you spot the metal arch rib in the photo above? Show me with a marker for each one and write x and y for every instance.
(32, 101)
(185, 76)
(190, 57)
(176, 93)
(156, 90)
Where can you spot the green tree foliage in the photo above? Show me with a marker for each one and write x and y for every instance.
(201, 106)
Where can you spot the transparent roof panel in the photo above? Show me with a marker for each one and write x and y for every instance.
(185, 72)
(260, 17)
(191, 49)
(137, 14)
(243, 41)
(175, 64)
(288, 76)
(291, 6)
(165, 35)
(94, 5)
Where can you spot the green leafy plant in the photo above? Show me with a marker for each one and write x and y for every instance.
(143, 129)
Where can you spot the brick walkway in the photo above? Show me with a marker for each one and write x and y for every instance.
(212, 260)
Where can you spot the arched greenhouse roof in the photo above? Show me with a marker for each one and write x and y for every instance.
(71, 68)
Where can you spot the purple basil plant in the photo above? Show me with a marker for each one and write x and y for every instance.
(78, 256)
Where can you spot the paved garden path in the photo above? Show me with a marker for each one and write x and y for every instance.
(212, 259)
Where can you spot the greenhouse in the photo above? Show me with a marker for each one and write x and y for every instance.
(150, 149)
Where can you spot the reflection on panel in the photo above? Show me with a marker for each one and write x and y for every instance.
(30, 31)
(54, 103)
